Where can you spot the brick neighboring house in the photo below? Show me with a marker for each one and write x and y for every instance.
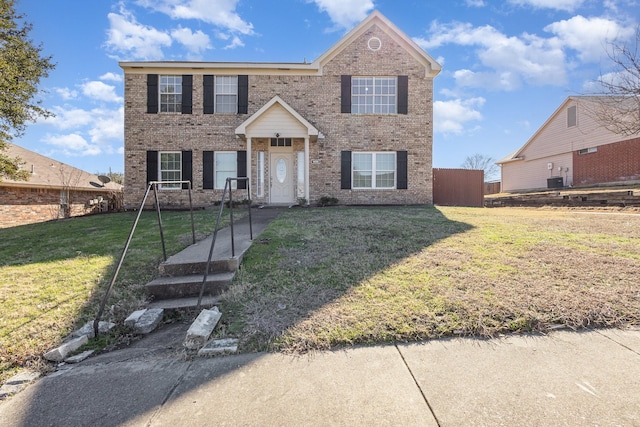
(572, 149)
(355, 124)
(54, 190)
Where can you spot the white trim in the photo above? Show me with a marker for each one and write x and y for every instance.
(242, 129)
(306, 170)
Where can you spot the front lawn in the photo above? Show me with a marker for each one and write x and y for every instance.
(324, 277)
(53, 275)
(319, 278)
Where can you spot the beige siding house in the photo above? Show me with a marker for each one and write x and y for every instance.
(355, 124)
(572, 149)
(54, 190)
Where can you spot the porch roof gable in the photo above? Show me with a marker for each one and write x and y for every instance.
(291, 119)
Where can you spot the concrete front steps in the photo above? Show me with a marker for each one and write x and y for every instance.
(181, 275)
(164, 288)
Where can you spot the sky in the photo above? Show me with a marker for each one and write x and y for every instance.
(506, 65)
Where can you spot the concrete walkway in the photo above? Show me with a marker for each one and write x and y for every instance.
(566, 378)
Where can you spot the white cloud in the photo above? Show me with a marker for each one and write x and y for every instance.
(221, 13)
(475, 3)
(126, 36)
(65, 93)
(112, 77)
(345, 13)
(196, 43)
(100, 91)
(69, 118)
(451, 117)
(73, 145)
(588, 36)
(107, 126)
(102, 126)
(507, 60)
(566, 5)
(235, 42)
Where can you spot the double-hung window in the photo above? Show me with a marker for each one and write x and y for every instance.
(225, 166)
(374, 170)
(374, 95)
(226, 93)
(170, 88)
(170, 168)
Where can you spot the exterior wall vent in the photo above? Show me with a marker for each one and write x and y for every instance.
(374, 44)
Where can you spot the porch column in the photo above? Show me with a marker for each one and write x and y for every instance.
(249, 165)
(306, 168)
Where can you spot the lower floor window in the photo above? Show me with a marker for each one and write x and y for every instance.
(225, 166)
(170, 168)
(374, 170)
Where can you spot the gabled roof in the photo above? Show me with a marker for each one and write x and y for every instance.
(46, 172)
(276, 100)
(376, 18)
(516, 155)
(314, 68)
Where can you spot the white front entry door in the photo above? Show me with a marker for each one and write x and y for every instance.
(281, 177)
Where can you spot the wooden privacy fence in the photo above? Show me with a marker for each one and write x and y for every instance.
(458, 187)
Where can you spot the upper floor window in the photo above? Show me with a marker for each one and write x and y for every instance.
(170, 168)
(170, 94)
(226, 93)
(373, 95)
(572, 116)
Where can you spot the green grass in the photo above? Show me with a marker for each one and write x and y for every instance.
(340, 276)
(53, 276)
(327, 277)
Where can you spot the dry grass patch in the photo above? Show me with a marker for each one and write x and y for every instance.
(330, 277)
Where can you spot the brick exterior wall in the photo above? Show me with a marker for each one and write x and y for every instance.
(617, 162)
(315, 97)
(21, 206)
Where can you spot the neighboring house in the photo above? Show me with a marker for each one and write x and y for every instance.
(355, 124)
(572, 148)
(54, 190)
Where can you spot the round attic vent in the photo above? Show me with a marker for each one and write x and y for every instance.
(374, 43)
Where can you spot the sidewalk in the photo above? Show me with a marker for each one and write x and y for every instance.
(566, 378)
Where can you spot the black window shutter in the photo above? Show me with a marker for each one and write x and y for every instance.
(403, 94)
(345, 94)
(242, 169)
(208, 97)
(243, 94)
(207, 170)
(187, 94)
(152, 93)
(401, 170)
(152, 166)
(187, 169)
(345, 170)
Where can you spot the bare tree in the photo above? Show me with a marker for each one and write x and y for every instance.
(69, 178)
(618, 109)
(482, 162)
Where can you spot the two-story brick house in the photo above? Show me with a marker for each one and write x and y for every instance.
(355, 124)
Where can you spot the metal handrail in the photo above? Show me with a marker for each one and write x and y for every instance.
(154, 185)
(215, 232)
